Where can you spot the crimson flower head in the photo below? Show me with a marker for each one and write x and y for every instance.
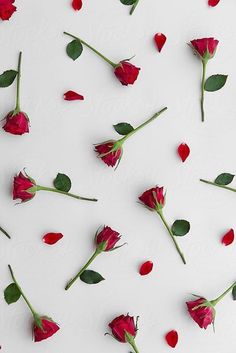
(153, 198)
(110, 152)
(7, 9)
(122, 325)
(24, 187)
(126, 73)
(201, 311)
(45, 329)
(16, 123)
(107, 238)
(205, 47)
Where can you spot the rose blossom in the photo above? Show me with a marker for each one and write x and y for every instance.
(126, 73)
(205, 47)
(122, 324)
(47, 329)
(110, 152)
(6, 9)
(16, 123)
(201, 312)
(153, 198)
(107, 237)
(24, 187)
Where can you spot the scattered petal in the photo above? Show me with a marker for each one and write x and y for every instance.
(172, 338)
(146, 268)
(77, 4)
(183, 151)
(160, 40)
(213, 3)
(72, 96)
(52, 238)
(228, 238)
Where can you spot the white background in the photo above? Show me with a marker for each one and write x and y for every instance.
(60, 140)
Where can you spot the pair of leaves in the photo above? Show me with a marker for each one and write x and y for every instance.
(74, 49)
(215, 82)
(224, 179)
(7, 78)
(180, 227)
(123, 128)
(62, 182)
(128, 2)
(91, 277)
(12, 293)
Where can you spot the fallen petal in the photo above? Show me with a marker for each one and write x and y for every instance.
(77, 4)
(228, 238)
(213, 3)
(72, 96)
(172, 338)
(146, 268)
(52, 238)
(160, 40)
(183, 151)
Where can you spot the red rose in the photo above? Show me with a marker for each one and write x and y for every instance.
(201, 311)
(109, 152)
(47, 329)
(16, 124)
(153, 198)
(122, 325)
(22, 187)
(6, 9)
(205, 47)
(107, 236)
(126, 73)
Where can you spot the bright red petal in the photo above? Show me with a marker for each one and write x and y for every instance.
(77, 4)
(73, 96)
(213, 3)
(183, 151)
(228, 238)
(52, 238)
(172, 338)
(160, 40)
(146, 268)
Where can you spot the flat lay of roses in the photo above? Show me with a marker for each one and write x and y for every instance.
(162, 220)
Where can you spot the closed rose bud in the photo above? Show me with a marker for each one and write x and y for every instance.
(126, 73)
(6, 9)
(110, 152)
(153, 198)
(23, 187)
(205, 47)
(107, 238)
(201, 311)
(16, 124)
(122, 325)
(47, 329)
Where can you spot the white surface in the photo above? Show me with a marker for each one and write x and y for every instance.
(60, 140)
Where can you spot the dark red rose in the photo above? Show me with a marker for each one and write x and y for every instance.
(48, 328)
(16, 124)
(109, 237)
(122, 324)
(21, 187)
(109, 152)
(6, 9)
(205, 47)
(153, 198)
(126, 73)
(201, 312)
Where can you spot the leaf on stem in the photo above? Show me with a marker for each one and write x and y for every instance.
(180, 227)
(91, 277)
(7, 78)
(215, 82)
(224, 179)
(62, 182)
(74, 49)
(123, 128)
(12, 293)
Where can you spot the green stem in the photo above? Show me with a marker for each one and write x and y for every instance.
(133, 345)
(171, 235)
(219, 186)
(215, 301)
(93, 49)
(44, 188)
(134, 7)
(4, 232)
(17, 108)
(92, 258)
(202, 88)
(123, 139)
(23, 295)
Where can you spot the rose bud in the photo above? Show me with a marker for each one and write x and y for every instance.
(205, 47)
(126, 73)
(45, 329)
(105, 240)
(6, 9)
(124, 330)
(24, 187)
(17, 122)
(202, 311)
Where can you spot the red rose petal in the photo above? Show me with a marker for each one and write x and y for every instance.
(52, 238)
(160, 40)
(172, 338)
(183, 151)
(73, 96)
(146, 268)
(213, 3)
(77, 4)
(228, 238)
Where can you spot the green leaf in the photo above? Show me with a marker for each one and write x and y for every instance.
(180, 227)
(224, 179)
(12, 293)
(91, 277)
(7, 78)
(74, 49)
(62, 182)
(234, 293)
(215, 82)
(123, 128)
(128, 2)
